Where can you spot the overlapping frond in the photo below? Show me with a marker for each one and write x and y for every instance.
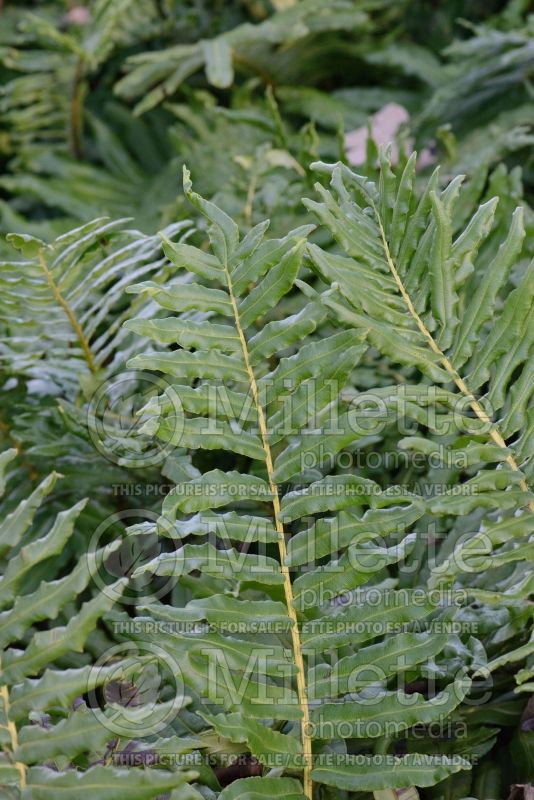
(28, 654)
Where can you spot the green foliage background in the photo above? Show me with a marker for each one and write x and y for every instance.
(102, 105)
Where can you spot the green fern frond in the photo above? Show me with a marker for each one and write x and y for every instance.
(487, 73)
(63, 317)
(423, 296)
(22, 612)
(47, 727)
(438, 302)
(226, 350)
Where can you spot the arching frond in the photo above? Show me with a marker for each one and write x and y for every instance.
(62, 305)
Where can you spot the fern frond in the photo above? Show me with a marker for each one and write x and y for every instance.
(250, 370)
(486, 74)
(438, 302)
(128, 176)
(63, 317)
(41, 749)
(423, 295)
(21, 611)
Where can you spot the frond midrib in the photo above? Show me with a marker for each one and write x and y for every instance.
(13, 735)
(288, 589)
(84, 343)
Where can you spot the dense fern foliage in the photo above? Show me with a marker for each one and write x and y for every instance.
(267, 419)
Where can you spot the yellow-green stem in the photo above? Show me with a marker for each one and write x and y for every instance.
(288, 589)
(12, 730)
(70, 314)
